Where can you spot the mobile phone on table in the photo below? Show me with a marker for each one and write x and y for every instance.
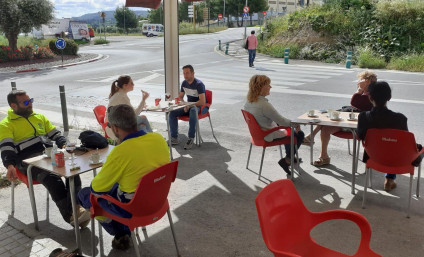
(323, 111)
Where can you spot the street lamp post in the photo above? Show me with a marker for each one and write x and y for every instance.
(245, 25)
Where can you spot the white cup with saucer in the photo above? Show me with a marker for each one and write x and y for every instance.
(311, 113)
(335, 115)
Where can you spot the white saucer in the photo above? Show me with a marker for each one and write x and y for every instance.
(339, 119)
(100, 161)
(312, 116)
(314, 120)
(352, 119)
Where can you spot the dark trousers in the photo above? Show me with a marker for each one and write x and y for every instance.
(58, 190)
(252, 55)
(299, 137)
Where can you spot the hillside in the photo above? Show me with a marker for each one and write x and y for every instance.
(94, 18)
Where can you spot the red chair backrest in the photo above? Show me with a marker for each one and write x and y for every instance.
(152, 191)
(100, 112)
(209, 97)
(256, 131)
(282, 215)
(391, 150)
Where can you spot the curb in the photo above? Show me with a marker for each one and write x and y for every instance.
(62, 66)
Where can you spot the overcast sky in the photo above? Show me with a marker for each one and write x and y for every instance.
(75, 8)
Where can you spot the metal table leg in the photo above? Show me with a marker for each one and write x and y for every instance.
(353, 161)
(32, 197)
(75, 214)
(292, 150)
(312, 144)
(169, 135)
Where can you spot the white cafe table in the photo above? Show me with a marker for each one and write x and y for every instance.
(323, 120)
(168, 107)
(82, 161)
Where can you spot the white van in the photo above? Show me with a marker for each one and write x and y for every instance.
(151, 30)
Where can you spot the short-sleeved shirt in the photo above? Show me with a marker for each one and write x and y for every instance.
(193, 90)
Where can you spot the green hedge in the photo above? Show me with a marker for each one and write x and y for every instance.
(70, 49)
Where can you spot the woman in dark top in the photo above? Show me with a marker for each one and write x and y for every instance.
(380, 117)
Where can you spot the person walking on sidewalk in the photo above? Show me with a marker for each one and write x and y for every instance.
(252, 44)
(196, 92)
(25, 134)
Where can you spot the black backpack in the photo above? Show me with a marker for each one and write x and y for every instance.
(91, 139)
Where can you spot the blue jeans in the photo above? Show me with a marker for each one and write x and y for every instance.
(393, 176)
(143, 123)
(299, 137)
(173, 120)
(252, 55)
(111, 226)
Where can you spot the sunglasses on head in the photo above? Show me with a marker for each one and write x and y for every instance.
(26, 102)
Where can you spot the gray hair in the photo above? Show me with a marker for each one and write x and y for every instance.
(123, 116)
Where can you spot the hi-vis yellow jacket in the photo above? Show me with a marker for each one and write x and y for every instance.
(22, 137)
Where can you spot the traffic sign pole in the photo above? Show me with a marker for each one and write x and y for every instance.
(60, 44)
(245, 10)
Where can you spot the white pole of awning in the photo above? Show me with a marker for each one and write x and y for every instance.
(172, 67)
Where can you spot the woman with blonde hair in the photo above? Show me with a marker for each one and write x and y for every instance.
(119, 95)
(359, 103)
(267, 117)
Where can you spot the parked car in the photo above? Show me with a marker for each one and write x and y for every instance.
(151, 30)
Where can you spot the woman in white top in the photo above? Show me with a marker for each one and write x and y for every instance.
(267, 117)
(118, 95)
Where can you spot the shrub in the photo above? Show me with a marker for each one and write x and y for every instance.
(43, 52)
(368, 59)
(413, 62)
(20, 54)
(71, 47)
(101, 41)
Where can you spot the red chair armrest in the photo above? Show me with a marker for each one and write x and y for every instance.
(112, 200)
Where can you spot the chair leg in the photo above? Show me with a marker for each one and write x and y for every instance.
(93, 236)
(262, 161)
(101, 243)
(32, 197)
(411, 178)
(213, 134)
(12, 212)
(173, 232)
(298, 162)
(358, 146)
(134, 240)
(47, 205)
(248, 156)
(418, 181)
(348, 146)
(367, 172)
(281, 152)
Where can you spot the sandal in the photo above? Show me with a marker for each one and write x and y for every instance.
(322, 161)
(307, 141)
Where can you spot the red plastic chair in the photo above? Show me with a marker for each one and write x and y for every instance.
(148, 205)
(24, 180)
(286, 224)
(100, 112)
(201, 116)
(391, 151)
(258, 135)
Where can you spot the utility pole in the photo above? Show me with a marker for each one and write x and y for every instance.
(124, 22)
(223, 15)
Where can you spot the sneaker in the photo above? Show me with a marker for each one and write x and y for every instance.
(189, 144)
(121, 243)
(83, 218)
(174, 141)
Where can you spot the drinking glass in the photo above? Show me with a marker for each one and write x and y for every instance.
(70, 148)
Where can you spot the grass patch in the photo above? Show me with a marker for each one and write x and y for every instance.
(277, 50)
(25, 41)
(367, 59)
(187, 28)
(101, 41)
(413, 62)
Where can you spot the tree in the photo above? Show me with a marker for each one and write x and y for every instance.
(156, 15)
(18, 16)
(125, 18)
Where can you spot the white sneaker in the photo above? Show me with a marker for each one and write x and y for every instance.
(174, 141)
(189, 144)
(84, 217)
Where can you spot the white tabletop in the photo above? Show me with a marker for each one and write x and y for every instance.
(324, 120)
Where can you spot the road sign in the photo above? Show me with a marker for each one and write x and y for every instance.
(219, 16)
(190, 7)
(205, 13)
(60, 43)
(246, 9)
(245, 15)
(264, 13)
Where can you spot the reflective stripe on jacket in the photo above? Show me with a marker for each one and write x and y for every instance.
(21, 137)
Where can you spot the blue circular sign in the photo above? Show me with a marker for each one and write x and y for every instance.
(60, 43)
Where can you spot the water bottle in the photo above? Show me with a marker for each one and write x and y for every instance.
(53, 153)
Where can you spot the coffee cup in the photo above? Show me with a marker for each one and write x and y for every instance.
(48, 151)
(95, 158)
(352, 116)
(311, 113)
(336, 115)
(157, 101)
(330, 112)
(177, 100)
